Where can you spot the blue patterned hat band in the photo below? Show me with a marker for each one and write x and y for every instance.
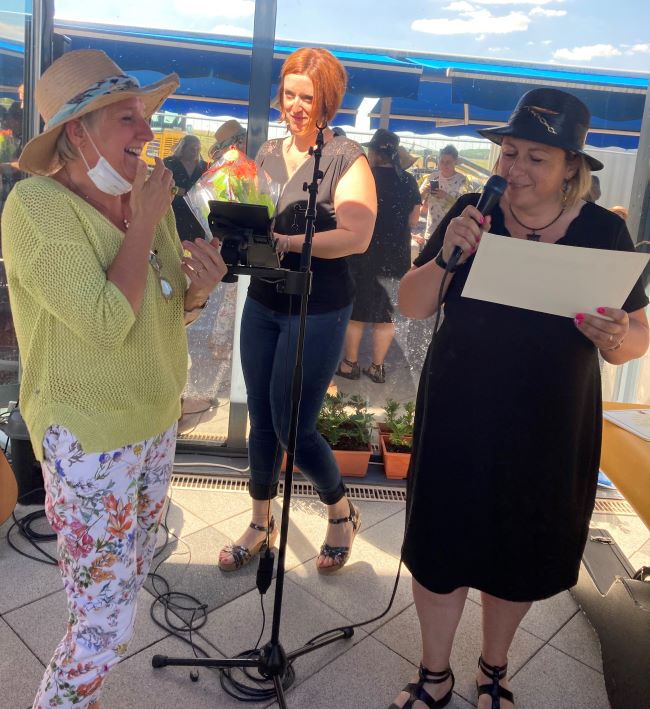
(111, 85)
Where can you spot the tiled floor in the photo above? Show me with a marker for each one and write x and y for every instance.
(555, 659)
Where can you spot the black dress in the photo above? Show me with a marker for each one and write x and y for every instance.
(332, 287)
(389, 253)
(508, 431)
(187, 225)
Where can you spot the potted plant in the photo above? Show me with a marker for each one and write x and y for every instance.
(345, 424)
(396, 438)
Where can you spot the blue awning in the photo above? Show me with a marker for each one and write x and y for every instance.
(195, 56)
(461, 97)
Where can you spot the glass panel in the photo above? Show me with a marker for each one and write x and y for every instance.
(445, 103)
(12, 65)
(204, 46)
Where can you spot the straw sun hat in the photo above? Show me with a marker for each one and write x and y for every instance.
(76, 84)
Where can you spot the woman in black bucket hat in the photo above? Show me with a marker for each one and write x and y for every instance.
(508, 423)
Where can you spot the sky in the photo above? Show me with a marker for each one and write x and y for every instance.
(589, 33)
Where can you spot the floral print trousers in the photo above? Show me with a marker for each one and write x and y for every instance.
(105, 509)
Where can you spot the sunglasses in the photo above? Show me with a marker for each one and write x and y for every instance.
(165, 286)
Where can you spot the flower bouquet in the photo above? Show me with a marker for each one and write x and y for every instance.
(232, 178)
(8, 145)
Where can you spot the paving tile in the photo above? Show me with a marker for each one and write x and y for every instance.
(19, 511)
(25, 580)
(20, 671)
(402, 635)
(579, 639)
(545, 618)
(628, 531)
(212, 506)
(190, 566)
(180, 521)
(236, 626)
(369, 675)
(42, 638)
(387, 534)
(641, 557)
(135, 683)
(553, 679)
(362, 589)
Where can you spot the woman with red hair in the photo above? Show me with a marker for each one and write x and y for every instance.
(312, 85)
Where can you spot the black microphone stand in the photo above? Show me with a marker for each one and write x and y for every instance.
(272, 662)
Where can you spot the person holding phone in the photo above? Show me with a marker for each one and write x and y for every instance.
(441, 188)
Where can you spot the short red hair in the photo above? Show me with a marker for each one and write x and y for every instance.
(328, 76)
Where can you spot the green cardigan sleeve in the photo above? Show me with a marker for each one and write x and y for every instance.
(49, 256)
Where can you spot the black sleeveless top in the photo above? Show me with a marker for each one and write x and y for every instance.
(332, 286)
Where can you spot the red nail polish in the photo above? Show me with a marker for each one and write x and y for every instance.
(580, 318)
(481, 220)
(600, 310)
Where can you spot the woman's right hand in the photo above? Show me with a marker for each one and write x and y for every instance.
(151, 197)
(465, 231)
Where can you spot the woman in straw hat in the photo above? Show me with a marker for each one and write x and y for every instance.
(99, 292)
(312, 85)
(508, 422)
(230, 134)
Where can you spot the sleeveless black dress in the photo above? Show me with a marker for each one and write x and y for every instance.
(332, 287)
(508, 433)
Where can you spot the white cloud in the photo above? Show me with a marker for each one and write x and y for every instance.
(587, 53)
(541, 12)
(479, 37)
(513, 2)
(479, 21)
(639, 49)
(461, 7)
(499, 49)
(232, 30)
(230, 9)
(547, 41)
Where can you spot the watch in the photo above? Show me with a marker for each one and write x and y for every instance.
(440, 261)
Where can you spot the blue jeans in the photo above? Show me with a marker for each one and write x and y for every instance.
(268, 354)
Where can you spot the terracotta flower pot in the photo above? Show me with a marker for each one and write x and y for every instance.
(353, 464)
(396, 465)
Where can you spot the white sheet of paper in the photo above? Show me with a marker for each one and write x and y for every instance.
(551, 278)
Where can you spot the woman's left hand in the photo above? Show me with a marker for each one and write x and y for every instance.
(606, 332)
(204, 267)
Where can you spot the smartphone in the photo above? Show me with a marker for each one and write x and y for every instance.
(434, 185)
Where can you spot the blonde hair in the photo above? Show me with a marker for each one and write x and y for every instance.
(64, 147)
(183, 142)
(578, 186)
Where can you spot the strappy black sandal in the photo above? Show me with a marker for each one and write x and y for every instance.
(354, 373)
(494, 689)
(417, 692)
(376, 372)
(340, 554)
(242, 555)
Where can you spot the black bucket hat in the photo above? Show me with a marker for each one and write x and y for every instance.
(548, 116)
(384, 140)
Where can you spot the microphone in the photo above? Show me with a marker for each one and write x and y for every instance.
(491, 194)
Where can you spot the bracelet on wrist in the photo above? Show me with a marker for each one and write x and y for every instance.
(198, 308)
(439, 260)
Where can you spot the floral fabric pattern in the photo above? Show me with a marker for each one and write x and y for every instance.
(105, 508)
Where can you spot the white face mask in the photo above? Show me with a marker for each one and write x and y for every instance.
(104, 176)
